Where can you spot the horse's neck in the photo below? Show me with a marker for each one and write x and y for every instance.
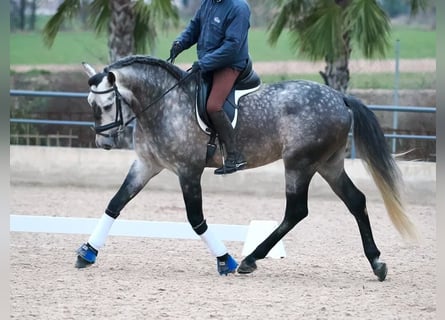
(155, 94)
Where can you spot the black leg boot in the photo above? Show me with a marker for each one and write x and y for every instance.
(235, 160)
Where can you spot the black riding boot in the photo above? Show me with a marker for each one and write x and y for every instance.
(235, 160)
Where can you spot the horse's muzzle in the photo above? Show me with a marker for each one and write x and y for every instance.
(107, 147)
(106, 143)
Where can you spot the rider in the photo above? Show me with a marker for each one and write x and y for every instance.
(220, 30)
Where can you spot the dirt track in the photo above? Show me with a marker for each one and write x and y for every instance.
(324, 276)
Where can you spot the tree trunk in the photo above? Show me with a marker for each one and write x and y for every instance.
(120, 29)
(32, 18)
(83, 15)
(22, 15)
(336, 73)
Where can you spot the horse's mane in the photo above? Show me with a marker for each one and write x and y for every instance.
(177, 72)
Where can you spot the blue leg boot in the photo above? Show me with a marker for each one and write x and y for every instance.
(226, 264)
(86, 256)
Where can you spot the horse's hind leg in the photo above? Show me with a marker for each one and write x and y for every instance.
(355, 200)
(137, 177)
(192, 193)
(297, 185)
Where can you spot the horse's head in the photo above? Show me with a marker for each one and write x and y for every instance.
(110, 102)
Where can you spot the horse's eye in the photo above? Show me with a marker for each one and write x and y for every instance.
(108, 107)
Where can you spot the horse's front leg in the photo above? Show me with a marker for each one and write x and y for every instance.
(138, 176)
(192, 193)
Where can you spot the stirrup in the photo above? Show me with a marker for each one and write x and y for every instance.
(234, 162)
(231, 167)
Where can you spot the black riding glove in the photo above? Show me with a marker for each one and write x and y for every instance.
(175, 50)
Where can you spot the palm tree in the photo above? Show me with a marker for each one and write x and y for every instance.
(130, 24)
(325, 29)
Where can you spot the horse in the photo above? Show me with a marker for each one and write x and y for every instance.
(304, 123)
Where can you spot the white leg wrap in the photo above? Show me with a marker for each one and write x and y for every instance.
(216, 247)
(100, 233)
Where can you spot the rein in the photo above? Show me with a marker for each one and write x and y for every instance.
(119, 121)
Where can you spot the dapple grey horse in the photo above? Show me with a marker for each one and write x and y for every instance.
(304, 123)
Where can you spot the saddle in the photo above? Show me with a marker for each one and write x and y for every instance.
(248, 81)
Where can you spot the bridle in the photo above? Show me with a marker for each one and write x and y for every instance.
(119, 120)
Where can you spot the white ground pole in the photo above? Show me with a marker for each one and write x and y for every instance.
(251, 234)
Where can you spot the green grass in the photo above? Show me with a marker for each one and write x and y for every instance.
(407, 80)
(76, 46)
(414, 43)
(69, 47)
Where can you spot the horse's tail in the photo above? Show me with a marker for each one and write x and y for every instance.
(372, 148)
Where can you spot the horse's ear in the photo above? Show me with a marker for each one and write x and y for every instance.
(89, 69)
(111, 77)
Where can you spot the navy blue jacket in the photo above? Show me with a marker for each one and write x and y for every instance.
(220, 31)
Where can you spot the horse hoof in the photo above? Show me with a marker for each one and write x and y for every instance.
(247, 266)
(86, 256)
(380, 270)
(82, 263)
(227, 266)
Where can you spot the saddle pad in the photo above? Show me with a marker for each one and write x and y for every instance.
(230, 107)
